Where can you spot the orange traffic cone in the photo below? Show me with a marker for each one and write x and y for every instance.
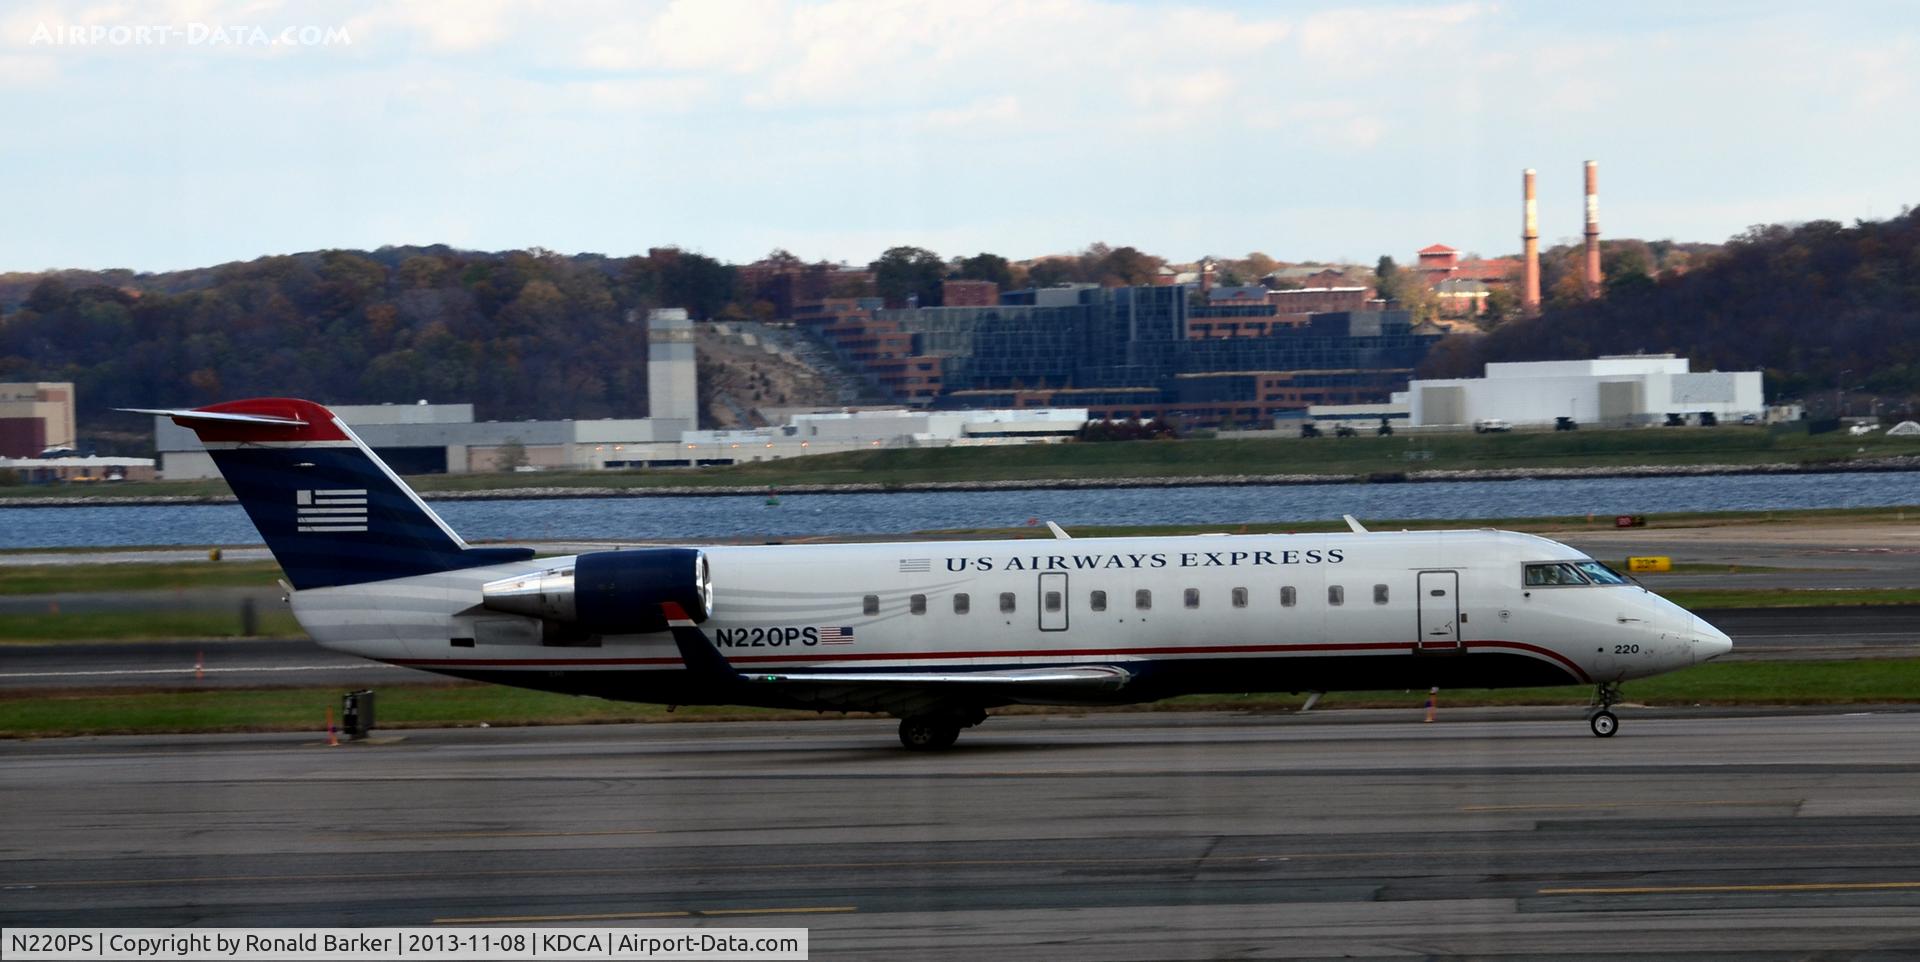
(333, 737)
(199, 665)
(1433, 700)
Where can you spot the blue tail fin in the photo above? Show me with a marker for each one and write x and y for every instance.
(330, 510)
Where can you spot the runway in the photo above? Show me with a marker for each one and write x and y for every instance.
(1354, 834)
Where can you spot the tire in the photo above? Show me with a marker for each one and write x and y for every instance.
(922, 733)
(1603, 723)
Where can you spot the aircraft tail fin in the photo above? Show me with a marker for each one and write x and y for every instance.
(329, 509)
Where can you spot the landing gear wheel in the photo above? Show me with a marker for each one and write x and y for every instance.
(925, 733)
(1601, 719)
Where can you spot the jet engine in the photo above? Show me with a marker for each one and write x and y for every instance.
(610, 592)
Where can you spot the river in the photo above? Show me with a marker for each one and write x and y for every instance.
(750, 518)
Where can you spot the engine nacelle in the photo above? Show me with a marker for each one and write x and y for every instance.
(610, 592)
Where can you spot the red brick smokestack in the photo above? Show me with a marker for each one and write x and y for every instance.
(1530, 236)
(1593, 229)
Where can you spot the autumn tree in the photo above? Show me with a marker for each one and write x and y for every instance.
(909, 272)
(985, 267)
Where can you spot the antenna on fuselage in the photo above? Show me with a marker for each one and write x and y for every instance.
(1354, 524)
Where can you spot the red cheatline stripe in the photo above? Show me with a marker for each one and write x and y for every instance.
(318, 421)
(674, 612)
(1394, 646)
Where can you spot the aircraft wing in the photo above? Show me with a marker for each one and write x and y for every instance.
(899, 692)
(1084, 677)
(911, 693)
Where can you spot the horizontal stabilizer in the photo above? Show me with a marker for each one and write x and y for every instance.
(186, 417)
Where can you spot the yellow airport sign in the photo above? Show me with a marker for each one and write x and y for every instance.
(1650, 563)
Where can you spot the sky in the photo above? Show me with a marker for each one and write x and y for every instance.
(167, 135)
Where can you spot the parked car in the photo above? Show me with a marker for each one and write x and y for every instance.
(1486, 425)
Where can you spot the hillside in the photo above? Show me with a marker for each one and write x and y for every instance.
(521, 333)
(1818, 307)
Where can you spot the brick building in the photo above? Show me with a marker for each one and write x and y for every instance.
(35, 416)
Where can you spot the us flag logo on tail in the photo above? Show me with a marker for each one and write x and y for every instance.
(836, 636)
(331, 510)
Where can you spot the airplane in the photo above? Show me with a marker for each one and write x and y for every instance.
(935, 633)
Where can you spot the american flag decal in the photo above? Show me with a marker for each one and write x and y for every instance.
(916, 565)
(331, 509)
(836, 636)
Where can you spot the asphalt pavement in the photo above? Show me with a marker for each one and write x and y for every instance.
(1364, 835)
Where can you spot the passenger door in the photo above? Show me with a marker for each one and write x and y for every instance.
(1439, 619)
(1053, 601)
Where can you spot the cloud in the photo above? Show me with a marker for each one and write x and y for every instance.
(18, 71)
(992, 112)
(447, 26)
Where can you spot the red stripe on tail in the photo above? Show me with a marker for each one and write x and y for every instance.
(319, 424)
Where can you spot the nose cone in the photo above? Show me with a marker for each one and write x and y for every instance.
(1711, 643)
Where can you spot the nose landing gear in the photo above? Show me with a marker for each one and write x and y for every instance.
(1601, 718)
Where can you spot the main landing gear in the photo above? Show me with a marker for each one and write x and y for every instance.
(1602, 719)
(933, 732)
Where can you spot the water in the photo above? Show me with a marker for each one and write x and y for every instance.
(748, 517)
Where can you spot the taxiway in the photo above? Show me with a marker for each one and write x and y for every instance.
(1353, 834)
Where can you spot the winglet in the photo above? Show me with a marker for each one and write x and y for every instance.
(1058, 532)
(1354, 524)
(696, 649)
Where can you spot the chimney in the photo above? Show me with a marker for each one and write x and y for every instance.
(1530, 237)
(1593, 229)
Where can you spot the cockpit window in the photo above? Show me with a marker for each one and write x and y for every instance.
(1600, 574)
(1553, 575)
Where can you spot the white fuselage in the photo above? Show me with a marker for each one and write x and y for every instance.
(1246, 612)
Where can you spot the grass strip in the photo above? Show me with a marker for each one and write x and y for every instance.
(143, 626)
(293, 709)
(1706, 599)
(136, 576)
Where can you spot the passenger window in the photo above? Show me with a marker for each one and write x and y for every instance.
(1289, 597)
(1239, 597)
(1053, 601)
(1097, 601)
(1193, 597)
(1143, 599)
(1336, 595)
(962, 604)
(917, 605)
(1379, 594)
(870, 605)
(1006, 601)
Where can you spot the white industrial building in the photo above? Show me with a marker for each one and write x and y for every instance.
(1625, 391)
(835, 431)
(444, 438)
